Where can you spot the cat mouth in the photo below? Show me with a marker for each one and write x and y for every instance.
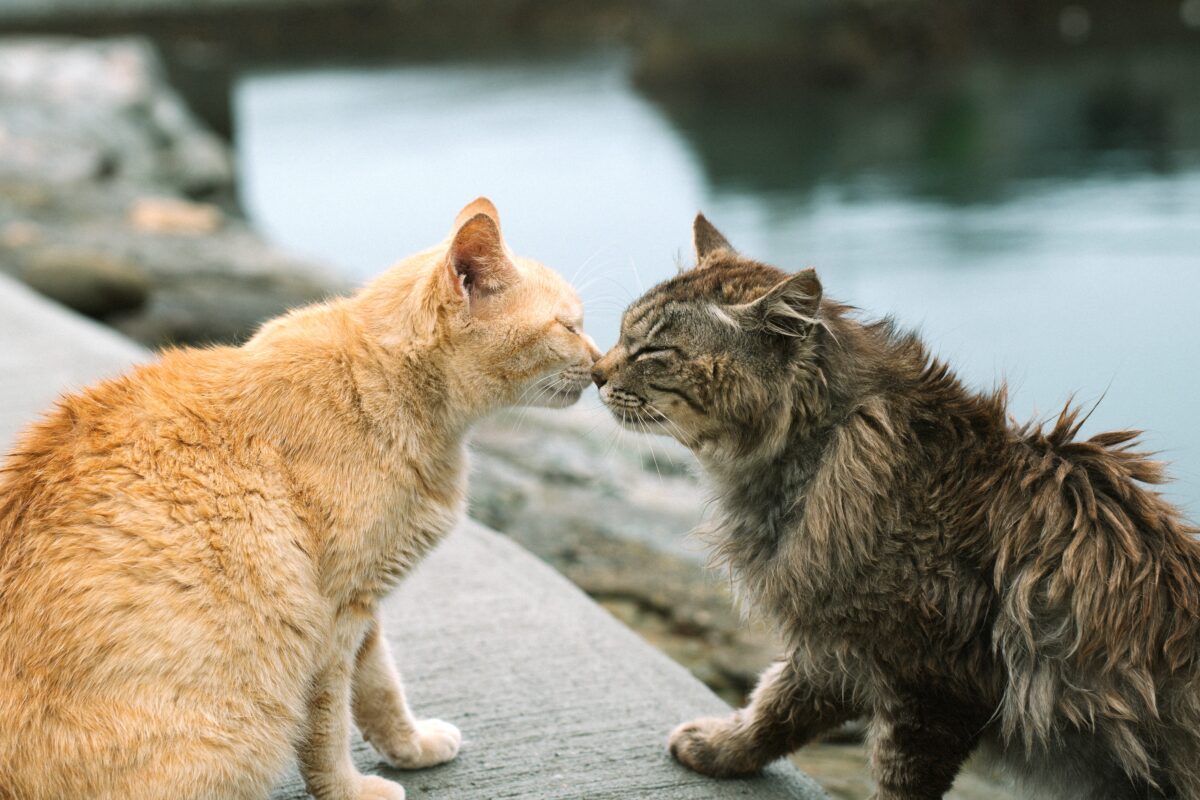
(642, 414)
(643, 420)
(563, 397)
(564, 389)
(634, 412)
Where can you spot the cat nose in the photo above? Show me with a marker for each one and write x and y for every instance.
(598, 377)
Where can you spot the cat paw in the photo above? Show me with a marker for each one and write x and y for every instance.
(434, 742)
(705, 746)
(372, 787)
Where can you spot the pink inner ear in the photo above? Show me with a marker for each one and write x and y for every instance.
(478, 257)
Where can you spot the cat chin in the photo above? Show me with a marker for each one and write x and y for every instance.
(561, 398)
(645, 424)
(649, 428)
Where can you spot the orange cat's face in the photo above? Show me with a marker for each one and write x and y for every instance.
(530, 339)
(511, 329)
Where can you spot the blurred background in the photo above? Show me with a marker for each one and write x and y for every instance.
(1018, 179)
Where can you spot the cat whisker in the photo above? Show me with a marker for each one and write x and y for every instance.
(528, 390)
(677, 432)
(624, 289)
(524, 402)
(605, 297)
(653, 456)
(527, 408)
(595, 268)
(580, 287)
(637, 275)
(581, 271)
(616, 307)
(538, 384)
(614, 438)
(601, 416)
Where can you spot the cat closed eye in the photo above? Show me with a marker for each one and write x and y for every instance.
(650, 350)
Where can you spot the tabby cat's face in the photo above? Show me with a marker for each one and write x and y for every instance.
(712, 355)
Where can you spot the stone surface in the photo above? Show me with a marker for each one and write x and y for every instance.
(99, 156)
(92, 283)
(172, 215)
(556, 698)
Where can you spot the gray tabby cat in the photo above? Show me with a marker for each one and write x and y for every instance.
(960, 581)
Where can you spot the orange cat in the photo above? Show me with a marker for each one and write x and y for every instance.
(191, 556)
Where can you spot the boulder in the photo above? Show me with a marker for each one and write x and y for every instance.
(101, 168)
(174, 216)
(92, 283)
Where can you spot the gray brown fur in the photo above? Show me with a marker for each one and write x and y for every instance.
(962, 581)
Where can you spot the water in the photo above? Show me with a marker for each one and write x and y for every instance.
(1038, 223)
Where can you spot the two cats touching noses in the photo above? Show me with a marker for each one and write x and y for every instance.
(193, 554)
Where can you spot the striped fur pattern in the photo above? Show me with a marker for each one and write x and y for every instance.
(964, 582)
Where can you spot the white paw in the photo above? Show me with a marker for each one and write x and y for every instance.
(372, 787)
(435, 742)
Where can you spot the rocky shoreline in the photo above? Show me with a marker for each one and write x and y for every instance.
(116, 201)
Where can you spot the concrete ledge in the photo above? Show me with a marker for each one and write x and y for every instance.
(46, 350)
(556, 698)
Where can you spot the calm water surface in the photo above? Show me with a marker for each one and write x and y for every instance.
(1038, 224)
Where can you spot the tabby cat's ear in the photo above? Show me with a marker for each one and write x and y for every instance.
(478, 264)
(790, 308)
(708, 240)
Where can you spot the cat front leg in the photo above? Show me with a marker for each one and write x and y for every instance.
(324, 753)
(383, 716)
(784, 712)
(919, 744)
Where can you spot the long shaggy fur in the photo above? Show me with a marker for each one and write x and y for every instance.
(961, 580)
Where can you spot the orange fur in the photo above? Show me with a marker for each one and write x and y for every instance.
(191, 555)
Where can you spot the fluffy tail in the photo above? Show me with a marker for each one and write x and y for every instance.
(1099, 579)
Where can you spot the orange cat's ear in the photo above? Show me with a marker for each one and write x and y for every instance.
(480, 205)
(478, 264)
(708, 240)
